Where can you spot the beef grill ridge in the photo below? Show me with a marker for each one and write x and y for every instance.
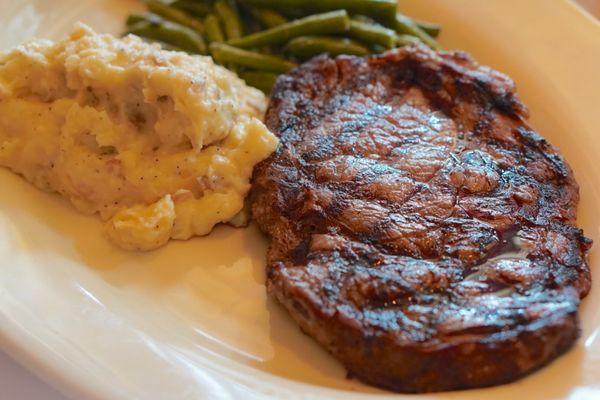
(421, 230)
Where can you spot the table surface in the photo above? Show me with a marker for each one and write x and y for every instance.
(593, 6)
(19, 384)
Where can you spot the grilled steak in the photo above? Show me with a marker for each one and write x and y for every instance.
(421, 230)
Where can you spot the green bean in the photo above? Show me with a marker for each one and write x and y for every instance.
(381, 9)
(405, 40)
(223, 53)
(268, 18)
(372, 34)
(363, 18)
(174, 15)
(234, 68)
(169, 47)
(308, 46)
(318, 24)
(134, 18)
(407, 26)
(195, 8)
(260, 80)
(171, 33)
(230, 18)
(432, 29)
(212, 28)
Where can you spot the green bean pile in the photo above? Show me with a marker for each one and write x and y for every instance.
(260, 39)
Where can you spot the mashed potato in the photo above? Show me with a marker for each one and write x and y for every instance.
(161, 144)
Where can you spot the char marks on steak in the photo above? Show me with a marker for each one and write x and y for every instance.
(421, 230)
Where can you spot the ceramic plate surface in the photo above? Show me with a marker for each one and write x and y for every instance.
(192, 320)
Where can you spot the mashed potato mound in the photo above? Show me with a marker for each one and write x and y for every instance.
(161, 144)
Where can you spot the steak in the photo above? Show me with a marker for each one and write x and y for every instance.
(422, 231)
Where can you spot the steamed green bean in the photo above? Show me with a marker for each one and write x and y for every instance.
(318, 24)
(193, 7)
(174, 15)
(432, 29)
(230, 18)
(268, 18)
(260, 80)
(308, 46)
(223, 53)
(372, 34)
(381, 9)
(134, 18)
(405, 25)
(171, 33)
(212, 28)
(405, 40)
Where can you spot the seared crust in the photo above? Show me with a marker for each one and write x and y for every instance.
(421, 230)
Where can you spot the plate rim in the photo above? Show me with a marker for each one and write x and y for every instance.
(46, 364)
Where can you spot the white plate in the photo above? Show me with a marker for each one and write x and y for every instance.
(192, 320)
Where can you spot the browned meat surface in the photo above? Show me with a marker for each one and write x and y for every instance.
(421, 230)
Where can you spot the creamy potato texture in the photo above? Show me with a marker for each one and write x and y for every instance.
(161, 144)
